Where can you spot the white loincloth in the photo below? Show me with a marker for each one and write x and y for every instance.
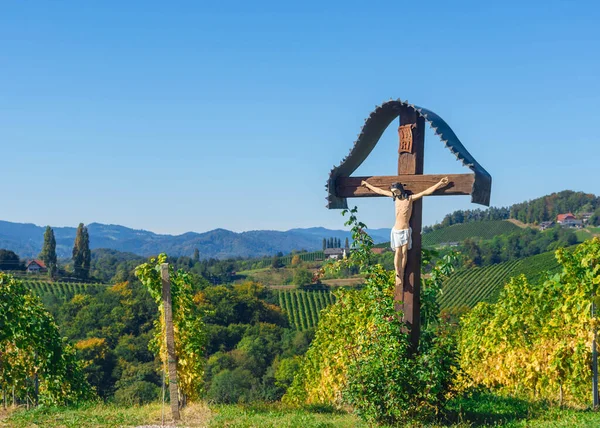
(398, 238)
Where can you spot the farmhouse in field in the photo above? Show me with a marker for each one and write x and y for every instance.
(568, 220)
(36, 266)
(335, 253)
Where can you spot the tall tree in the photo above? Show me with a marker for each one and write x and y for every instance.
(347, 244)
(87, 254)
(48, 254)
(82, 256)
(196, 255)
(324, 244)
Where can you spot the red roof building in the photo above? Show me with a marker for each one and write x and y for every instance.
(562, 217)
(36, 266)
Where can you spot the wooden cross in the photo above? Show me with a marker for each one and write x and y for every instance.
(410, 174)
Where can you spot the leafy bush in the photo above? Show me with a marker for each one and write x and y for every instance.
(31, 346)
(137, 393)
(232, 386)
(361, 353)
(536, 339)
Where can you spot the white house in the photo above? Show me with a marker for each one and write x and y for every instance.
(36, 266)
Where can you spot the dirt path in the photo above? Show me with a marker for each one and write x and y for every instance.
(517, 223)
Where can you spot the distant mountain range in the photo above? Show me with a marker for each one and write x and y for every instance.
(26, 240)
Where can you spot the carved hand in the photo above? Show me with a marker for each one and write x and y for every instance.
(364, 183)
(444, 181)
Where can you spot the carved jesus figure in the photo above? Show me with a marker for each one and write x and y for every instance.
(400, 238)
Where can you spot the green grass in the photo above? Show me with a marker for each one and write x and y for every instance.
(276, 415)
(195, 415)
(583, 235)
(471, 286)
(252, 271)
(476, 410)
(486, 409)
(89, 415)
(460, 232)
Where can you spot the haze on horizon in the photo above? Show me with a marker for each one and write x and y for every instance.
(192, 117)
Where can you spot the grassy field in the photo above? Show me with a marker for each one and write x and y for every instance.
(268, 276)
(471, 286)
(479, 410)
(460, 232)
(583, 235)
(195, 415)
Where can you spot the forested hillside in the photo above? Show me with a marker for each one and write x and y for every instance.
(545, 208)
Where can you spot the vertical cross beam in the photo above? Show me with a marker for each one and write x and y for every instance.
(407, 296)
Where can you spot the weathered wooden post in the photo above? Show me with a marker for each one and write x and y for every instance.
(170, 337)
(594, 361)
(410, 175)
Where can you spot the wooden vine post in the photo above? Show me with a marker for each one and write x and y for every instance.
(410, 177)
(170, 337)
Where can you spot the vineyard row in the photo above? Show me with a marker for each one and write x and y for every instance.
(303, 307)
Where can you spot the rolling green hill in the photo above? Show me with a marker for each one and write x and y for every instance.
(460, 232)
(471, 286)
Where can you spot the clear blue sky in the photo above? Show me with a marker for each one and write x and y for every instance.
(188, 116)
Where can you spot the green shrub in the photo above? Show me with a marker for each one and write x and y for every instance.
(136, 393)
(361, 353)
(232, 386)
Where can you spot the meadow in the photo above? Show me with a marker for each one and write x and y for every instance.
(476, 410)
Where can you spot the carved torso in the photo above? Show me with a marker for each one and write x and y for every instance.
(403, 212)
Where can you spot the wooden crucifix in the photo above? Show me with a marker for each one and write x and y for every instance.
(410, 183)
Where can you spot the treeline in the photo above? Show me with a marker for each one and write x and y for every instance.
(537, 210)
(81, 261)
(516, 245)
(334, 243)
(467, 216)
(548, 207)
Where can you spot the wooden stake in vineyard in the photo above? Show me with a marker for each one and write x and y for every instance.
(410, 176)
(170, 337)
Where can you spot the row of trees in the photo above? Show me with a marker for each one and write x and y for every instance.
(334, 243)
(82, 256)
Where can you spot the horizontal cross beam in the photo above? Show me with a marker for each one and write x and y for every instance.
(460, 184)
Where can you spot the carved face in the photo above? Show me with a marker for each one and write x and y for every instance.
(398, 190)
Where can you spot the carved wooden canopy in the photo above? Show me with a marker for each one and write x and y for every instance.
(340, 185)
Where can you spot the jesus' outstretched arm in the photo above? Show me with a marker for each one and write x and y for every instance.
(376, 189)
(432, 189)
